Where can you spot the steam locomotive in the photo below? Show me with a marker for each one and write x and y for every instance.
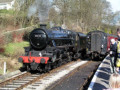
(49, 48)
(98, 44)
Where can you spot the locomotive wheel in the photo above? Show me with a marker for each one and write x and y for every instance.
(53, 58)
(48, 67)
(60, 60)
(69, 58)
(101, 57)
(83, 55)
(23, 68)
(59, 63)
(39, 69)
(54, 65)
(28, 68)
(92, 58)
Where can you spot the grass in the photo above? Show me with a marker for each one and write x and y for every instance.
(10, 56)
(4, 11)
(15, 49)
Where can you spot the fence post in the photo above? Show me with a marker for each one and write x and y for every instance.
(4, 68)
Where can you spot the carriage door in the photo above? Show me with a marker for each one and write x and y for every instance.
(96, 42)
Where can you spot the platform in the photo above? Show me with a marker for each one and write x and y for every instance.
(76, 79)
(100, 80)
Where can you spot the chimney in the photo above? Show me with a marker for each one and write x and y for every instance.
(43, 26)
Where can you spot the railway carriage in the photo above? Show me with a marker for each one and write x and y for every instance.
(98, 43)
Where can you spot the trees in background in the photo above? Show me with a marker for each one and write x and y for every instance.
(85, 14)
(79, 15)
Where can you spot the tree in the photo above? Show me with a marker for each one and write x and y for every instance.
(88, 14)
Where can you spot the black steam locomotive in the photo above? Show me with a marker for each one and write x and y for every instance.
(51, 48)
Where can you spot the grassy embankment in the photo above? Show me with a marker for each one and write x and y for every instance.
(11, 54)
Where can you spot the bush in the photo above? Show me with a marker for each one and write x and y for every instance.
(15, 49)
(15, 36)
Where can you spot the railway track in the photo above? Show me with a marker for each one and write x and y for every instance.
(28, 81)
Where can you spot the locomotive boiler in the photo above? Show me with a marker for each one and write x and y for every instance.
(49, 48)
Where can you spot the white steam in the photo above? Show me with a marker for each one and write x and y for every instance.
(40, 9)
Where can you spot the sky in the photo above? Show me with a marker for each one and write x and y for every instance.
(115, 5)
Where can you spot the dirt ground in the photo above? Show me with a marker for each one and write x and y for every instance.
(12, 64)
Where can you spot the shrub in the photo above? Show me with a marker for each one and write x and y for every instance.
(15, 49)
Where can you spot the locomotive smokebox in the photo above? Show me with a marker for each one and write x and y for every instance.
(43, 26)
(39, 38)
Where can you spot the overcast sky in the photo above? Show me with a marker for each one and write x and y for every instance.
(115, 5)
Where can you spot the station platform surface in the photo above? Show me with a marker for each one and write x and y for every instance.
(76, 80)
(100, 79)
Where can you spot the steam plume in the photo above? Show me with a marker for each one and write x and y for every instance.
(40, 9)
